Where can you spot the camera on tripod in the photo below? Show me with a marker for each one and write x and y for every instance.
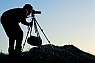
(35, 40)
(36, 12)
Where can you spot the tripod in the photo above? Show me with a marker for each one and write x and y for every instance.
(36, 30)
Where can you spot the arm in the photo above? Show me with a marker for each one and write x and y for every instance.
(24, 16)
(25, 23)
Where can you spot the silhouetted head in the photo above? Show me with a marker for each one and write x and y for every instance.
(28, 7)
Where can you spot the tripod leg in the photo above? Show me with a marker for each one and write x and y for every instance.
(44, 33)
(26, 38)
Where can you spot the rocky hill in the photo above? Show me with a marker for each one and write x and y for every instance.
(57, 54)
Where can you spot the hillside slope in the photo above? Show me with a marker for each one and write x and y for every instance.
(57, 54)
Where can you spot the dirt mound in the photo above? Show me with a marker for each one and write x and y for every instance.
(57, 54)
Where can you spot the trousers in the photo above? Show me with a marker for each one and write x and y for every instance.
(15, 35)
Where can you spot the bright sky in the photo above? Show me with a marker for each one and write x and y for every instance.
(63, 21)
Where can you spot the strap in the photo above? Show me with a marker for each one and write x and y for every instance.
(35, 27)
(36, 31)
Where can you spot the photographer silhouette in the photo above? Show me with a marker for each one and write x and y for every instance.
(10, 20)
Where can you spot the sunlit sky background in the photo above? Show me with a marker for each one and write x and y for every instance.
(63, 21)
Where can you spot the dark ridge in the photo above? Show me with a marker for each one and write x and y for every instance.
(47, 54)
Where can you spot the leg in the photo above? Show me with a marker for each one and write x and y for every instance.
(9, 32)
(19, 38)
(11, 46)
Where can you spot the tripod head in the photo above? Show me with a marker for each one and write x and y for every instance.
(33, 19)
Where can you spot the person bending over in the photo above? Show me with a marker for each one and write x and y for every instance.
(10, 20)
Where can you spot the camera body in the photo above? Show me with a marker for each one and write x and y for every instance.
(36, 12)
